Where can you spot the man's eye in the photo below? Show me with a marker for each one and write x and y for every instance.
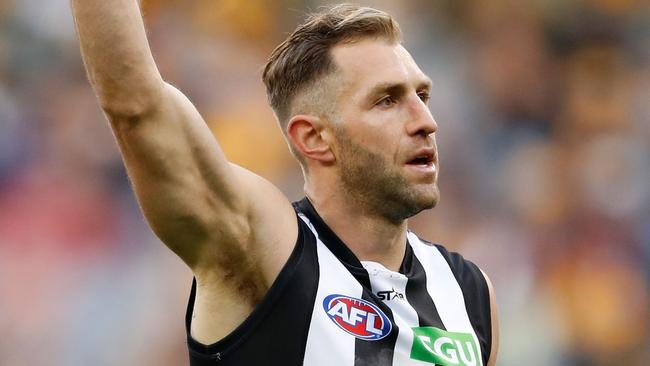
(386, 101)
(424, 96)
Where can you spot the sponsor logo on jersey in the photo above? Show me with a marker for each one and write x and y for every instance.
(357, 317)
(388, 295)
(436, 346)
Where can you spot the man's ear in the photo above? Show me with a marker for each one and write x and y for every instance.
(309, 136)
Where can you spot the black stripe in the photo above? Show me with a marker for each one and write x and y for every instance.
(376, 353)
(476, 296)
(366, 353)
(275, 333)
(334, 243)
(418, 296)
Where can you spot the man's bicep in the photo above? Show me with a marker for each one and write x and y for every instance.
(494, 322)
(187, 190)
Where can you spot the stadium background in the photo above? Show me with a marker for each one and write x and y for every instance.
(544, 138)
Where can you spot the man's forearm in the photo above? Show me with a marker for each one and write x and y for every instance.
(116, 54)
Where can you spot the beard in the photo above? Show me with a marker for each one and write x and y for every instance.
(377, 186)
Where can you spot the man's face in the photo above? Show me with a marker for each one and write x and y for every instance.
(384, 142)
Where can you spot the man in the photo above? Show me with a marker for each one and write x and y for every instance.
(335, 278)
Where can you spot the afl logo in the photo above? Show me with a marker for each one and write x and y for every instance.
(357, 317)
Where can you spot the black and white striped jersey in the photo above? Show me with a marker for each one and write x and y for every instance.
(328, 308)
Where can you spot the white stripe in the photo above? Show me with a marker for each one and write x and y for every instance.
(404, 315)
(327, 344)
(444, 289)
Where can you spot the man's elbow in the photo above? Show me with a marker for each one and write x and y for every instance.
(129, 103)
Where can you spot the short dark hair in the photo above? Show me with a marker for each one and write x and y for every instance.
(304, 56)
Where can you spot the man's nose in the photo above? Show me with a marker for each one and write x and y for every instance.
(421, 121)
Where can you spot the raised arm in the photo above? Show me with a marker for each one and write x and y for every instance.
(116, 54)
(205, 209)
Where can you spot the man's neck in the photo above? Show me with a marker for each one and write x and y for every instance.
(369, 236)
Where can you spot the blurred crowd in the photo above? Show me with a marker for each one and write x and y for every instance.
(543, 110)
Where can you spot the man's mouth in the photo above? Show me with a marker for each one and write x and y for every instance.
(423, 164)
(425, 157)
(421, 160)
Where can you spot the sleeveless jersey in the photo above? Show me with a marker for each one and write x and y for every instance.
(327, 308)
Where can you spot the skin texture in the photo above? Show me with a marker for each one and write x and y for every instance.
(234, 229)
(359, 179)
(374, 135)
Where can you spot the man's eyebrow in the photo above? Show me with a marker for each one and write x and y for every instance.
(397, 88)
(387, 87)
(426, 83)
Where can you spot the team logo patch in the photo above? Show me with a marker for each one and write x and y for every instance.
(357, 317)
(437, 346)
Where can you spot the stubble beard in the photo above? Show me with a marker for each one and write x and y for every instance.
(377, 187)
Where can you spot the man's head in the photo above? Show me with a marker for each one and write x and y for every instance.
(352, 103)
(304, 59)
